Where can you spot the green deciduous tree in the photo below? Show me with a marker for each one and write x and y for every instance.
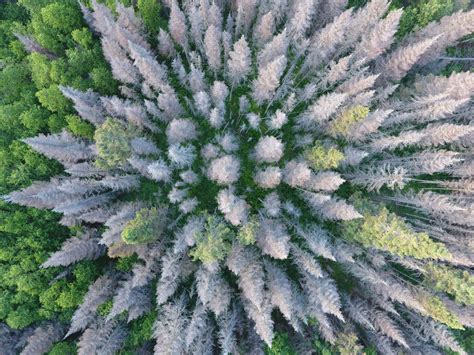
(79, 127)
(28, 96)
(27, 236)
(52, 24)
(52, 99)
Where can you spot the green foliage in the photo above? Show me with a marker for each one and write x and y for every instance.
(103, 81)
(56, 123)
(27, 237)
(65, 295)
(52, 99)
(63, 348)
(83, 37)
(8, 120)
(281, 345)
(150, 10)
(5, 303)
(113, 143)
(14, 83)
(10, 11)
(246, 235)
(348, 344)
(40, 70)
(80, 61)
(356, 3)
(112, 3)
(147, 226)
(386, 231)
(141, 331)
(35, 119)
(28, 95)
(80, 127)
(126, 263)
(421, 13)
(436, 309)
(17, 49)
(459, 284)
(105, 308)
(10, 16)
(322, 348)
(53, 24)
(34, 5)
(465, 339)
(322, 158)
(342, 124)
(21, 317)
(213, 243)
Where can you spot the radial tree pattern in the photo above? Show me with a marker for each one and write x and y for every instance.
(270, 171)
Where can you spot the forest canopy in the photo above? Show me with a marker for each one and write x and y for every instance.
(250, 176)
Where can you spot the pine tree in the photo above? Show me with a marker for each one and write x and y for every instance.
(98, 293)
(213, 52)
(62, 147)
(239, 61)
(269, 79)
(43, 338)
(75, 249)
